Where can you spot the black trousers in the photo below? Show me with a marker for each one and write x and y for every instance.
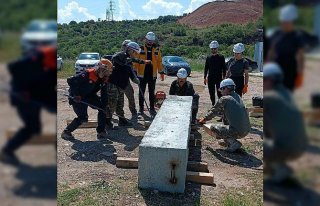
(195, 106)
(239, 81)
(30, 115)
(151, 87)
(81, 111)
(212, 86)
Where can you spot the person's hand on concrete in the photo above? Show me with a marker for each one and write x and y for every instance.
(77, 99)
(202, 120)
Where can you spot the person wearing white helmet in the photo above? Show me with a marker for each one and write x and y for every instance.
(148, 73)
(237, 123)
(287, 48)
(118, 81)
(238, 69)
(284, 131)
(214, 71)
(182, 87)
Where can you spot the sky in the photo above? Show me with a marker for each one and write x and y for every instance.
(83, 10)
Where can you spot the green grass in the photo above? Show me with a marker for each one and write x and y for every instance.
(240, 197)
(67, 70)
(196, 64)
(9, 46)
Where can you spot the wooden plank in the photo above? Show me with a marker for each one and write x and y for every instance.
(256, 114)
(90, 124)
(255, 109)
(132, 163)
(194, 166)
(124, 162)
(200, 177)
(45, 138)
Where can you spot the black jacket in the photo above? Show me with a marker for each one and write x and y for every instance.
(215, 67)
(85, 84)
(122, 70)
(185, 90)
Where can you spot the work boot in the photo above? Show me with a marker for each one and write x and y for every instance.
(134, 115)
(223, 143)
(109, 124)
(140, 113)
(233, 145)
(67, 135)
(124, 122)
(8, 158)
(102, 135)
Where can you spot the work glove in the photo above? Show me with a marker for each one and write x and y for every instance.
(202, 120)
(205, 81)
(136, 81)
(298, 81)
(245, 89)
(77, 99)
(162, 77)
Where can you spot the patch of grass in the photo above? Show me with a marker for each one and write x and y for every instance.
(67, 70)
(196, 65)
(9, 46)
(256, 122)
(241, 198)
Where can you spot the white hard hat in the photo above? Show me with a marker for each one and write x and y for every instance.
(227, 83)
(126, 42)
(151, 36)
(288, 13)
(272, 71)
(238, 48)
(182, 73)
(214, 45)
(134, 46)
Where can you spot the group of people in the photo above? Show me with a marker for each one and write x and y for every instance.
(142, 64)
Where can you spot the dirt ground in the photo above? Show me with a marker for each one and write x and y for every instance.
(33, 182)
(86, 161)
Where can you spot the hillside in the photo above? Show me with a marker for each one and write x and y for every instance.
(175, 39)
(224, 12)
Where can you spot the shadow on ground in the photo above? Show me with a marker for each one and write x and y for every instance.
(288, 194)
(240, 158)
(37, 181)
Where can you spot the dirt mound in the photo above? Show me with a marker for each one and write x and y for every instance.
(220, 12)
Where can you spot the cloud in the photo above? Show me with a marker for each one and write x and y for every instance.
(194, 4)
(162, 7)
(125, 11)
(73, 11)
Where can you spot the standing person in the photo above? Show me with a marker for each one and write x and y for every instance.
(285, 137)
(148, 73)
(33, 88)
(214, 71)
(118, 81)
(287, 49)
(129, 92)
(182, 87)
(238, 69)
(233, 109)
(84, 87)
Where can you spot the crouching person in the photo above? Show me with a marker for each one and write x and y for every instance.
(182, 87)
(235, 113)
(83, 89)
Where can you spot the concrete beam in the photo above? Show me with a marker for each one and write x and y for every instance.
(163, 152)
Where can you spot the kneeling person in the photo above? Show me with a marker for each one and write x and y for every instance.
(234, 111)
(84, 87)
(182, 87)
